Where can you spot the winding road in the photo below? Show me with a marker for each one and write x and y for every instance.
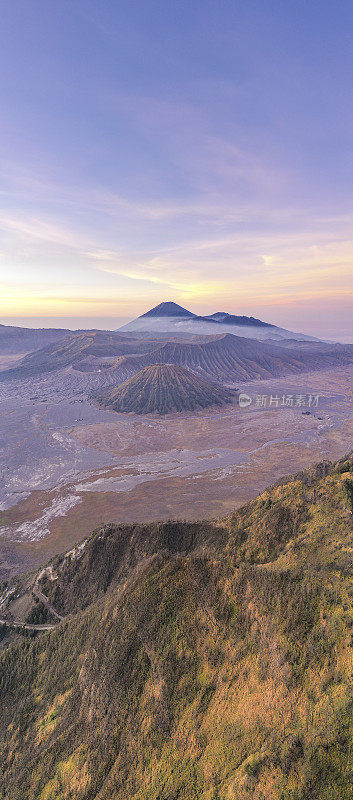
(44, 600)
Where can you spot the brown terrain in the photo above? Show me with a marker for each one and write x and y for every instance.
(164, 388)
(188, 466)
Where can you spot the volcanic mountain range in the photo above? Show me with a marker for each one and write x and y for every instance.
(169, 317)
(171, 310)
(108, 358)
(221, 358)
(228, 358)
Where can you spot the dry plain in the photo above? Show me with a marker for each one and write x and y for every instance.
(93, 466)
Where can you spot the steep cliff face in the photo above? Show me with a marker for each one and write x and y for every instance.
(196, 660)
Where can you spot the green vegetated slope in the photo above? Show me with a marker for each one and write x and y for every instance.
(200, 660)
(163, 388)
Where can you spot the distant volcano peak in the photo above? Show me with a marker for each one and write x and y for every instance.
(234, 319)
(169, 317)
(168, 309)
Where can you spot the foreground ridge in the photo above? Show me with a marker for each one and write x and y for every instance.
(200, 660)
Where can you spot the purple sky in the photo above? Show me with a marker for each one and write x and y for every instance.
(199, 152)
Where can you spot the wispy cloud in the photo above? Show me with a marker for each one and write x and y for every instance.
(202, 249)
(40, 229)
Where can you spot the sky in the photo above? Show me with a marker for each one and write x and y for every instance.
(193, 151)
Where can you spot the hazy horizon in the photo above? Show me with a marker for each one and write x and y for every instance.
(317, 326)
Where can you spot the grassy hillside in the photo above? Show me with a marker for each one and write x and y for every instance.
(164, 388)
(199, 661)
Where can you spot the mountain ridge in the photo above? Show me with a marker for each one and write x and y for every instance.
(169, 316)
(71, 349)
(196, 660)
(234, 319)
(15, 339)
(230, 358)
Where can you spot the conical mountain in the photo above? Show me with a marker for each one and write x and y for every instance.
(168, 309)
(163, 388)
